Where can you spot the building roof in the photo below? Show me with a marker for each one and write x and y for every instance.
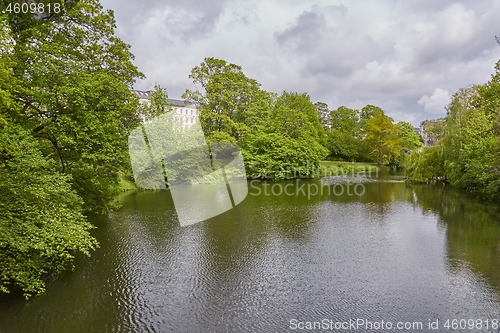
(174, 102)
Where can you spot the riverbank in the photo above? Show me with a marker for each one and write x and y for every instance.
(333, 168)
(326, 168)
(127, 183)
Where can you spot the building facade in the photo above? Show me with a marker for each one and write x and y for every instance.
(186, 114)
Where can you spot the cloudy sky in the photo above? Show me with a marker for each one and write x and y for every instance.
(407, 57)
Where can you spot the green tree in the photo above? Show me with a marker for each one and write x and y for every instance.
(279, 135)
(344, 133)
(65, 113)
(41, 221)
(157, 105)
(77, 102)
(323, 113)
(303, 105)
(468, 151)
(458, 112)
(426, 165)
(367, 112)
(345, 119)
(382, 138)
(489, 101)
(230, 102)
(409, 139)
(480, 153)
(274, 156)
(290, 146)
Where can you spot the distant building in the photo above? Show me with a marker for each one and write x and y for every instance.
(185, 113)
(432, 131)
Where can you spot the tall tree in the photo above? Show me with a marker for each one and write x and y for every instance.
(458, 111)
(344, 133)
(382, 138)
(323, 113)
(41, 221)
(367, 112)
(279, 135)
(470, 150)
(302, 103)
(78, 75)
(230, 102)
(290, 146)
(409, 139)
(65, 112)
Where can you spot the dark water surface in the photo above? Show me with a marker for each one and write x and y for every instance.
(395, 252)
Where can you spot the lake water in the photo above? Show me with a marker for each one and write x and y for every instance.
(385, 252)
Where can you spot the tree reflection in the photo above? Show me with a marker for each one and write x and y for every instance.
(472, 228)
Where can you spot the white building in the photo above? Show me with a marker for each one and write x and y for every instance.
(186, 114)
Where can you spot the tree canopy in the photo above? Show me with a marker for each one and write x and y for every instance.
(279, 135)
(66, 110)
(469, 142)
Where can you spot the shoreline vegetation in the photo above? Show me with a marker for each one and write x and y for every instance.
(467, 150)
(326, 168)
(66, 117)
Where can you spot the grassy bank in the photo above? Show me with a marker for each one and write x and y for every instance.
(327, 168)
(335, 168)
(126, 183)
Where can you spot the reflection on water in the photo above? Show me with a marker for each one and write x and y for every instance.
(398, 252)
(472, 230)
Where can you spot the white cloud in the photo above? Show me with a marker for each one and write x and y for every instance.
(436, 102)
(342, 52)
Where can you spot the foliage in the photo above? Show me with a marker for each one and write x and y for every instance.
(230, 102)
(426, 165)
(457, 111)
(382, 138)
(273, 156)
(78, 102)
(157, 106)
(435, 130)
(279, 135)
(65, 113)
(369, 135)
(470, 145)
(299, 106)
(409, 139)
(323, 113)
(41, 221)
(367, 112)
(290, 146)
(480, 153)
(344, 134)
